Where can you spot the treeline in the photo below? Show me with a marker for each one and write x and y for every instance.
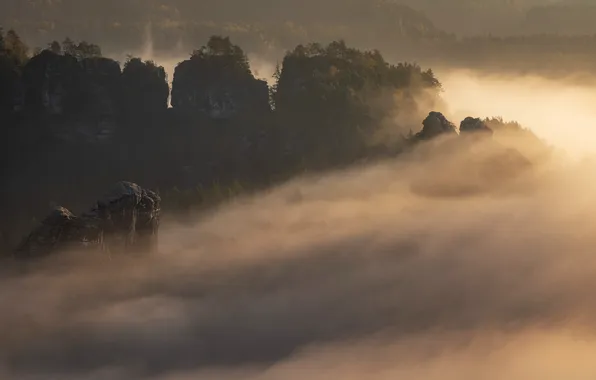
(503, 35)
(74, 121)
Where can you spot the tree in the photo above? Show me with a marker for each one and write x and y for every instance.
(13, 47)
(336, 97)
(55, 47)
(68, 46)
(219, 46)
(13, 56)
(81, 50)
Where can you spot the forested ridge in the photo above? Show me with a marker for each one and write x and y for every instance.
(499, 35)
(75, 121)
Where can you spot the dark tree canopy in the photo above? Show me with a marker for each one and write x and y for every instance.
(13, 48)
(335, 97)
(317, 76)
(80, 50)
(13, 55)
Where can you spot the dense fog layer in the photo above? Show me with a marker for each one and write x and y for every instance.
(353, 275)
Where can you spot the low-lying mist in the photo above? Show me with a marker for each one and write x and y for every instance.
(349, 275)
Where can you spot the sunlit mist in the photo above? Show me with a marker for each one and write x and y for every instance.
(560, 112)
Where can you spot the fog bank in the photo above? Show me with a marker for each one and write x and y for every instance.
(351, 275)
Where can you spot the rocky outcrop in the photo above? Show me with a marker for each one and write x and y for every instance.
(60, 230)
(143, 88)
(50, 83)
(99, 83)
(58, 84)
(217, 81)
(434, 125)
(125, 220)
(220, 97)
(474, 126)
(472, 163)
(83, 91)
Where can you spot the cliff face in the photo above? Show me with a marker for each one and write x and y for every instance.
(219, 85)
(99, 83)
(80, 91)
(126, 220)
(62, 85)
(47, 79)
(143, 88)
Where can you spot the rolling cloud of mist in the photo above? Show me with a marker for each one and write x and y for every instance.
(350, 275)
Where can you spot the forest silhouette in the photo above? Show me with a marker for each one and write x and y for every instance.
(75, 116)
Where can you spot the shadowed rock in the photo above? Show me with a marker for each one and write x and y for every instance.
(62, 84)
(217, 81)
(50, 83)
(125, 219)
(434, 125)
(474, 126)
(60, 230)
(128, 218)
(472, 163)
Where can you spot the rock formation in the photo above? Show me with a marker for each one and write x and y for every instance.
(474, 125)
(49, 79)
(126, 219)
(143, 89)
(217, 81)
(471, 163)
(434, 125)
(60, 230)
